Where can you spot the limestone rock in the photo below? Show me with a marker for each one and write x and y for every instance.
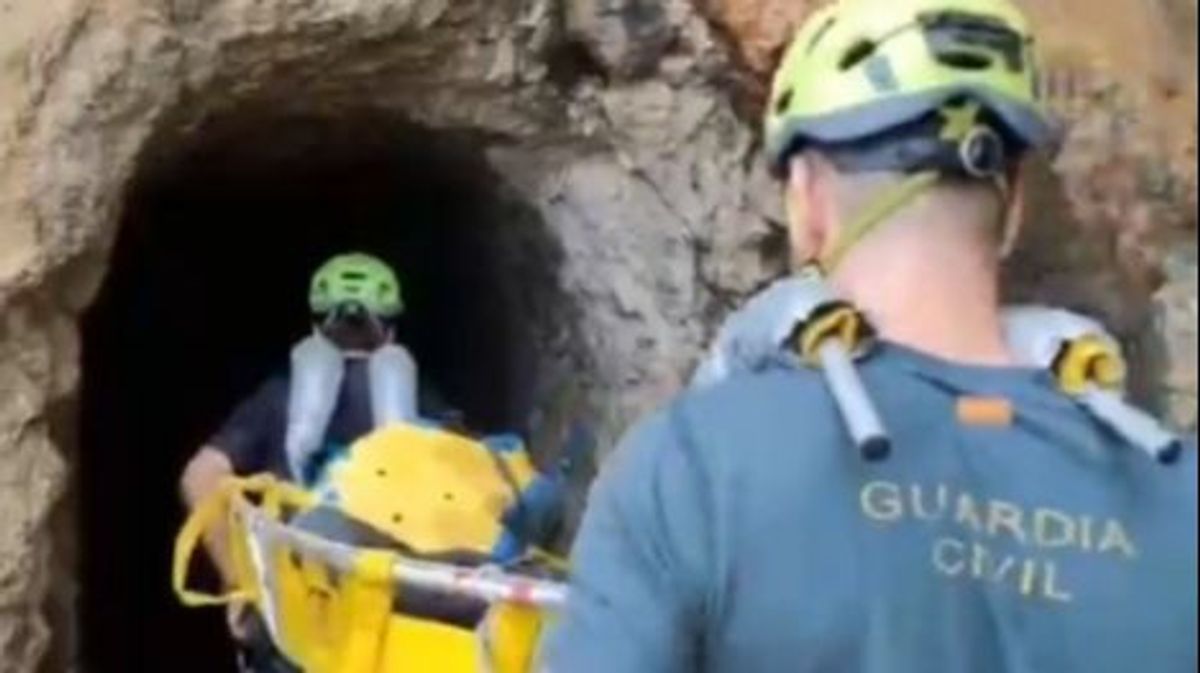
(1176, 317)
(627, 36)
(647, 174)
(641, 185)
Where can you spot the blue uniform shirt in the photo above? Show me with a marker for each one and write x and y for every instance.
(737, 531)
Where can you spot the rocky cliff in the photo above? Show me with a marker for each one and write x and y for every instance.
(625, 127)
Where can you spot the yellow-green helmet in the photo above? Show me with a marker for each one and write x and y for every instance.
(356, 278)
(860, 70)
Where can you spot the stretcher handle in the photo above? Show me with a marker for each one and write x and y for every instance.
(487, 584)
(1134, 425)
(861, 418)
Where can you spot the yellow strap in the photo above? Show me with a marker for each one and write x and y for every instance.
(894, 199)
(202, 518)
(548, 559)
(212, 510)
(513, 632)
(843, 324)
(273, 498)
(368, 596)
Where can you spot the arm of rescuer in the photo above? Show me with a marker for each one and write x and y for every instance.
(239, 448)
(205, 472)
(640, 566)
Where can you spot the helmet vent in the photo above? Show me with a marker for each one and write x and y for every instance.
(973, 40)
(784, 100)
(855, 55)
(965, 60)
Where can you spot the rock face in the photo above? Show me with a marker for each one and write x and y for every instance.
(599, 115)
(614, 120)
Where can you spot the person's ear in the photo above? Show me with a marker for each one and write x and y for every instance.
(807, 211)
(1014, 211)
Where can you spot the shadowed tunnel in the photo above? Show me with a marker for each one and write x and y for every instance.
(206, 294)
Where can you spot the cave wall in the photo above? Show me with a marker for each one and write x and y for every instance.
(641, 177)
(627, 124)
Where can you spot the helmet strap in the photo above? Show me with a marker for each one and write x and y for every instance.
(892, 202)
(881, 209)
(1011, 229)
(979, 153)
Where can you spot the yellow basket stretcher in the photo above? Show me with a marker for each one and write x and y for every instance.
(329, 606)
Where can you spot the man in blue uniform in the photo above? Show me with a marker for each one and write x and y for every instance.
(1009, 529)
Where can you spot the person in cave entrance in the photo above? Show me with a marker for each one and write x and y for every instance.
(346, 379)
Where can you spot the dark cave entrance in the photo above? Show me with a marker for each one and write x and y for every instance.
(206, 294)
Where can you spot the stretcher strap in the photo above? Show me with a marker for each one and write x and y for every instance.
(368, 596)
(202, 520)
(205, 517)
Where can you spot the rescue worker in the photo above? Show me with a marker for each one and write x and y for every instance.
(1007, 529)
(346, 379)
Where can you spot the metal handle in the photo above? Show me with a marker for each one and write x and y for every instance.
(486, 584)
(857, 409)
(1137, 427)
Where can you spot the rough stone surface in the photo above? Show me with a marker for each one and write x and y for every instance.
(626, 36)
(637, 161)
(633, 152)
(36, 354)
(1176, 315)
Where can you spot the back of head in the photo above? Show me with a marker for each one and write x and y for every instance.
(951, 211)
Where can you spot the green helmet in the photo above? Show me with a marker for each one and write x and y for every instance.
(864, 69)
(356, 278)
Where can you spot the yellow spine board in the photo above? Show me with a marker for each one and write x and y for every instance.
(513, 631)
(434, 491)
(327, 622)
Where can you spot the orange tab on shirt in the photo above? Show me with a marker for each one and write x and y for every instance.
(987, 412)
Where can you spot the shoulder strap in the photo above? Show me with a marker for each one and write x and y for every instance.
(317, 370)
(1089, 367)
(392, 373)
(800, 316)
